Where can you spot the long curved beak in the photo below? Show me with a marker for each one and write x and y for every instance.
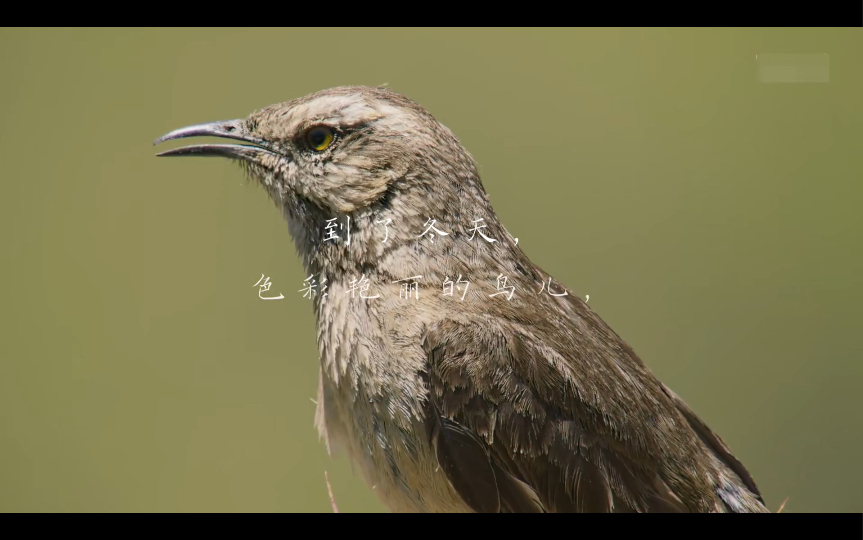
(228, 129)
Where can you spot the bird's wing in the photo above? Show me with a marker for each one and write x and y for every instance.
(517, 429)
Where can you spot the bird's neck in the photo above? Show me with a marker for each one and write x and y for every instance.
(424, 226)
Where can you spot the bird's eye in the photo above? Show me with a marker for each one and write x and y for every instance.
(319, 138)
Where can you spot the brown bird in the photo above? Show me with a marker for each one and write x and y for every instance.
(445, 375)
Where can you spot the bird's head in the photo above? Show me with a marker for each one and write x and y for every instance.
(340, 148)
(367, 153)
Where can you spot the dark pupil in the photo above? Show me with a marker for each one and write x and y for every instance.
(318, 137)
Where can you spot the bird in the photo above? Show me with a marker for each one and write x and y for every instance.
(494, 398)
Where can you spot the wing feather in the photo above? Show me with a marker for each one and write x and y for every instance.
(515, 431)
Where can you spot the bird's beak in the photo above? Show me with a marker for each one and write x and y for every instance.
(229, 129)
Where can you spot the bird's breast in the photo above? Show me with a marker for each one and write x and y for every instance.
(370, 402)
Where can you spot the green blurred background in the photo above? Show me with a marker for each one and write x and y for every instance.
(715, 222)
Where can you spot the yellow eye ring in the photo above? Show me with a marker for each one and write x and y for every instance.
(319, 138)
